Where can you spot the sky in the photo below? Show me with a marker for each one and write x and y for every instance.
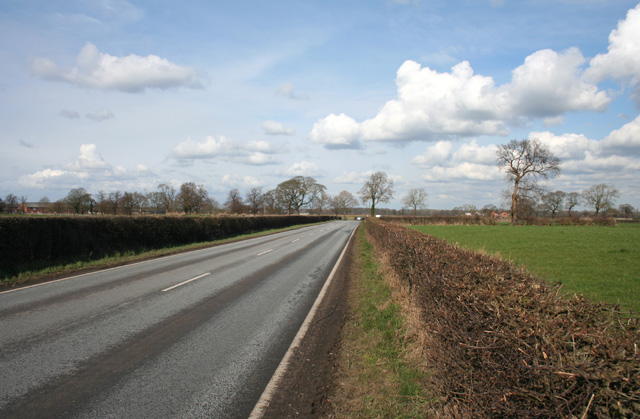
(125, 95)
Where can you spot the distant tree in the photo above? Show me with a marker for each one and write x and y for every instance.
(11, 202)
(489, 209)
(626, 210)
(168, 197)
(379, 188)
(601, 197)
(211, 206)
(273, 202)
(59, 207)
(320, 203)
(254, 200)
(299, 192)
(79, 200)
(553, 201)
(572, 200)
(343, 203)
(524, 161)
(2, 205)
(234, 202)
(192, 197)
(415, 198)
(102, 202)
(114, 201)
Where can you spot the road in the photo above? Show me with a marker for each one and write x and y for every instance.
(192, 335)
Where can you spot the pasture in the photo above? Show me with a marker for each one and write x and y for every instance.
(602, 263)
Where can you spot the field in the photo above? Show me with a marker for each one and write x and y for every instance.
(602, 263)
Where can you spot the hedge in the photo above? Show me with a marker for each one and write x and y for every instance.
(28, 243)
(503, 344)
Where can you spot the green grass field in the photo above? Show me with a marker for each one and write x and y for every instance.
(602, 263)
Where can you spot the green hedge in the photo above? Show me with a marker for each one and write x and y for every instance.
(502, 344)
(28, 243)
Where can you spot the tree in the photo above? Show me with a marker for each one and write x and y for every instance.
(79, 200)
(343, 203)
(192, 197)
(320, 202)
(298, 192)
(114, 201)
(626, 210)
(553, 201)
(254, 200)
(524, 161)
(572, 200)
(11, 202)
(415, 198)
(600, 197)
(211, 206)
(379, 188)
(272, 202)
(167, 197)
(234, 202)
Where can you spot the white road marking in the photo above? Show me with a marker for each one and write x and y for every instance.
(295, 240)
(186, 282)
(265, 252)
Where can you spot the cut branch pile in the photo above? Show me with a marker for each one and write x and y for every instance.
(501, 343)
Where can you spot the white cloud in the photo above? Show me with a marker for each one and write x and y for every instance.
(622, 60)
(435, 154)
(433, 105)
(303, 168)
(51, 177)
(463, 171)
(89, 160)
(237, 181)
(353, 177)
(101, 115)
(132, 73)
(276, 128)
(474, 153)
(624, 140)
(566, 146)
(212, 148)
(336, 131)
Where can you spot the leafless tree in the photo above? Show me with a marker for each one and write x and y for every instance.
(234, 202)
(571, 201)
(415, 198)
(78, 199)
(379, 188)
(272, 202)
(254, 200)
(524, 161)
(168, 196)
(553, 201)
(114, 199)
(601, 197)
(192, 197)
(298, 192)
(343, 203)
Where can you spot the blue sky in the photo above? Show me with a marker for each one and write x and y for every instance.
(124, 95)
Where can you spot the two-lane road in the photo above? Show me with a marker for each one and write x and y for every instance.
(192, 335)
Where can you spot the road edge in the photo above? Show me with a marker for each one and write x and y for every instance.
(269, 391)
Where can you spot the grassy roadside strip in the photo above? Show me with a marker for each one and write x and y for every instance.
(379, 368)
(79, 267)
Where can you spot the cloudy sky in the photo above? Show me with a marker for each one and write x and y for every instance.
(125, 95)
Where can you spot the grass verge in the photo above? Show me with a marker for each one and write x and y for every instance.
(602, 263)
(380, 372)
(83, 266)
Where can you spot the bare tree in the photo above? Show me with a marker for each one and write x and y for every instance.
(320, 202)
(298, 192)
(343, 203)
(601, 197)
(553, 201)
(115, 199)
(524, 161)
(11, 202)
(78, 199)
(379, 188)
(254, 200)
(192, 197)
(415, 198)
(626, 210)
(571, 201)
(234, 202)
(168, 196)
(272, 202)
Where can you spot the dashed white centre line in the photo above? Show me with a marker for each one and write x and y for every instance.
(186, 282)
(295, 240)
(265, 252)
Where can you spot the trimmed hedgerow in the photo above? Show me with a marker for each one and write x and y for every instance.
(503, 344)
(28, 243)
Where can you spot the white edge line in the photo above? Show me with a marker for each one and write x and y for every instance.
(265, 252)
(185, 282)
(267, 394)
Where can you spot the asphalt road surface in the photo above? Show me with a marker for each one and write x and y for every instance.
(189, 336)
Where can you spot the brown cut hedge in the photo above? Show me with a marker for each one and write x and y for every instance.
(503, 344)
(28, 243)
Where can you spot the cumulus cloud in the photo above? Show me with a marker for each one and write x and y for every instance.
(469, 162)
(225, 149)
(624, 140)
(434, 106)
(101, 115)
(132, 74)
(89, 160)
(276, 128)
(303, 168)
(237, 181)
(622, 60)
(47, 177)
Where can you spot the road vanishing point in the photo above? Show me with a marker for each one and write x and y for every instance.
(192, 335)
